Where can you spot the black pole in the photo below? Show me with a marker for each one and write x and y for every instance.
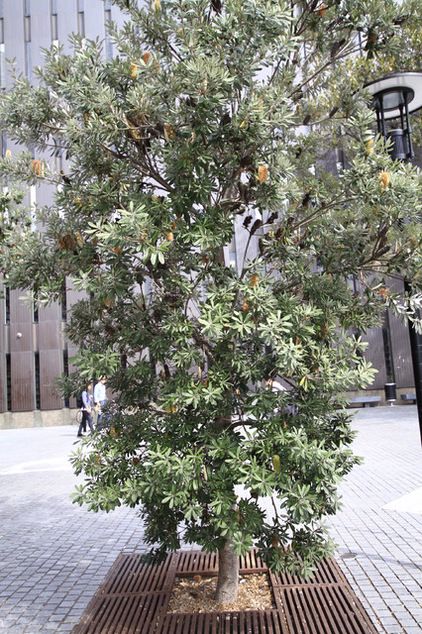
(416, 351)
(390, 387)
(408, 130)
(382, 117)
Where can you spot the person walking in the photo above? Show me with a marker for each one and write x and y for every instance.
(87, 408)
(100, 399)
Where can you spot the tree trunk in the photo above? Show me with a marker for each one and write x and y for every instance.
(228, 574)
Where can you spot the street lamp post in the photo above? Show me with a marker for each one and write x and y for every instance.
(395, 97)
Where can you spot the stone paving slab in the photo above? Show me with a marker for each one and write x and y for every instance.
(54, 555)
(380, 550)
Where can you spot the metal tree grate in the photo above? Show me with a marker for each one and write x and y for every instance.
(135, 595)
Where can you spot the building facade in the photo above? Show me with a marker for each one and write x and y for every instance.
(33, 346)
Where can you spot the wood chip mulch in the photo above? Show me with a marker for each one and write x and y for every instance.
(196, 594)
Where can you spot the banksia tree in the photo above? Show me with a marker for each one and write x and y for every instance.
(214, 116)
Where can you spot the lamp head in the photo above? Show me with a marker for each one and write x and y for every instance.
(395, 96)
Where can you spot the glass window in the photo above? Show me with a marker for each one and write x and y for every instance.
(6, 305)
(2, 66)
(54, 27)
(108, 43)
(9, 382)
(37, 381)
(27, 28)
(81, 23)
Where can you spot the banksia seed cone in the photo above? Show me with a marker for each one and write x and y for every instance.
(146, 57)
(254, 280)
(169, 132)
(68, 242)
(134, 133)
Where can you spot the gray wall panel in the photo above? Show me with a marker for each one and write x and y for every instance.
(51, 367)
(21, 354)
(40, 30)
(14, 33)
(375, 354)
(20, 310)
(94, 20)
(21, 337)
(49, 328)
(401, 353)
(45, 191)
(67, 22)
(23, 381)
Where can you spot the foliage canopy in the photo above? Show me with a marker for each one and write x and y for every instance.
(214, 116)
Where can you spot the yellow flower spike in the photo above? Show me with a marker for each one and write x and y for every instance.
(133, 71)
(263, 173)
(384, 180)
(8, 154)
(276, 463)
(38, 167)
(369, 147)
(156, 5)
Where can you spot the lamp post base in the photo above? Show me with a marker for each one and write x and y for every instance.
(390, 390)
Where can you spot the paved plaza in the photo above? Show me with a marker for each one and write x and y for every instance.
(54, 555)
(379, 530)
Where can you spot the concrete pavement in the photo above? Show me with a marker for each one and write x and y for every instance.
(379, 530)
(54, 555)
